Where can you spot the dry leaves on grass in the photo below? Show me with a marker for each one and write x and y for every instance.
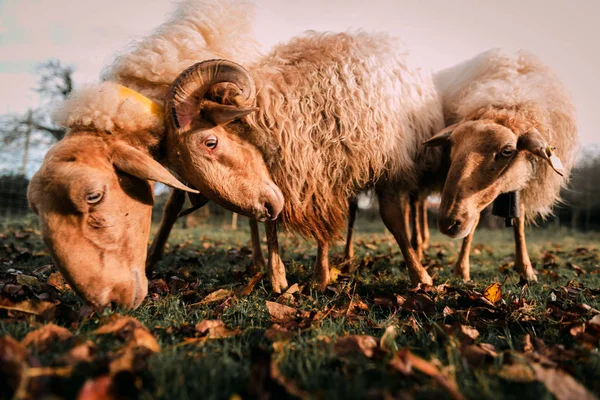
(44, 309)
(362, 344)
(47, 335)
(215, 329)
(266, 380)
(131, 331)
(12, 366)
(562, 385)
(404, 362)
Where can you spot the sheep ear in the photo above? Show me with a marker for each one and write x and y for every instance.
(440, 138)
(220, 114)
(134, 162)
(534, 142)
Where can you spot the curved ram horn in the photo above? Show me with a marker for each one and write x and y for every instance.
(189, 91)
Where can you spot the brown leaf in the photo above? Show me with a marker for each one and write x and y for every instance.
(29, 281)
(282, 313)
(519, 372)
(388, 339)
(578, 270)
(12, 366)
(130, 330)
(277, 332)
(97, 389)
(266, 380)
(158, 286)
(215, 329)
(45, 336)
(363, 344)
(82, 353)
(57, 281)
(478, 355)
(420, 303)
(217, 295)
(562, 385)
(40, 308)
(404, 361)
(527, 346)
(250, 285)
(469, 332)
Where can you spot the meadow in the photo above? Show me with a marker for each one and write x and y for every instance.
(211, 328)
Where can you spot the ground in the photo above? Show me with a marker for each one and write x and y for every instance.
(211, 328)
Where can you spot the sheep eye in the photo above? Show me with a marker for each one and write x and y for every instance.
(508, 152)
(94, 197)
(211, 142)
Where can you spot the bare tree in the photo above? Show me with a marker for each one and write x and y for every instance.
(34, 128)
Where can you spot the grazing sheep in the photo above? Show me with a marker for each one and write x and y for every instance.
(511, 122)
(92, 192)
(328, 115)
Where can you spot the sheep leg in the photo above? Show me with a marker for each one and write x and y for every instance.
(349, 250)
(172, 208)
(275, 267)
(258, 260)
(522, 261)
(424, 223)
(416, 239)
(392, 213)
(321, 271)
(462, 268)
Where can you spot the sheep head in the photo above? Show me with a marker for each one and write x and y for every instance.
(94, 197)
(487, 159)
(210, 149)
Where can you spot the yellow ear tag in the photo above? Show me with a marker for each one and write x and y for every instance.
(149, 105)
(554, 161)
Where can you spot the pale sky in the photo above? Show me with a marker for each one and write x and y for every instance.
(86, 34)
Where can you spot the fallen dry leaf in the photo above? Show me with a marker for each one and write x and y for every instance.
(363, 344)
(578, 270)
(518, 372)
(130, 330)
(217, 295)
(283, 313)
(29, 281)
(40, 308)
(246, 290)
(57, 281)
(388, 340)
(12, 366)
(493, 292)
(96, 389)
(45, 336)
(562, 385)
(215, 329)
(404, 361)
(469, 332)
(81, 353)
(334, 273)
(420, 303)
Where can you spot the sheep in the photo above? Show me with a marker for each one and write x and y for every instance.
(328, 115)
(511, 128)
(93, 192)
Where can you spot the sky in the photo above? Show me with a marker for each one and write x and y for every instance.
(86, 34)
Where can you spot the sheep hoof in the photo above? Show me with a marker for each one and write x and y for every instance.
(277, 276)
(420, 277)
(462, 271)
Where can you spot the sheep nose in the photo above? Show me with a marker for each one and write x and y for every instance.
(273, 201)
(448, 226)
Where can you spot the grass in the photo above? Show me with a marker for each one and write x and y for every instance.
(210, 257)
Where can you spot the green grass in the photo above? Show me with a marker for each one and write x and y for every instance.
(210, 257)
